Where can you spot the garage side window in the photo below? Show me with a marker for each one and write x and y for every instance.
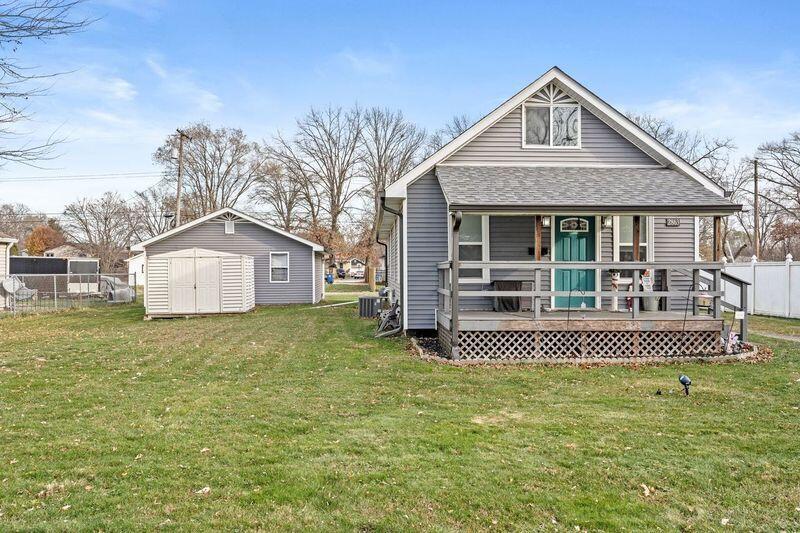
(279, 267)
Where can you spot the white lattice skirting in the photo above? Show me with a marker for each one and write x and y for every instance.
(583, 345)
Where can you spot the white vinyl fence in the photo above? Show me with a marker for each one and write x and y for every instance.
(774, 286)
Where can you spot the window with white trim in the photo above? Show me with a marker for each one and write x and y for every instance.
(473, 245)
(279, 267)
(230, 227)
(551, 119)
(625, 236)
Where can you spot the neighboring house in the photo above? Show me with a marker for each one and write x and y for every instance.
(508, 236)
(65, 250)
(136, 270)
(287, 268)
(357, 268)
(6, 243)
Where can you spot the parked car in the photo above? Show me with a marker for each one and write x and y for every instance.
(340, 273)
(357, 274)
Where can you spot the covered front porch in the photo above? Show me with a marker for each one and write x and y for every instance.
(575, 263)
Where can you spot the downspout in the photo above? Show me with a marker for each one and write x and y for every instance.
(398, 214)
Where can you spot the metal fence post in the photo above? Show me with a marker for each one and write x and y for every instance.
(55, 292)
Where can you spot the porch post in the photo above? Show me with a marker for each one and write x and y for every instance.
(538, 238)
(454, 285)
(717, 238)
(635, 281)
(636, 240)
(537, 274)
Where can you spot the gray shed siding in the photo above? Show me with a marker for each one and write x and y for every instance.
(251, 239)
(675, 244)
(426, 224)
(319, 275)
(501, 143)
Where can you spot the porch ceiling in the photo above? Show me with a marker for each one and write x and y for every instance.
(563, 189)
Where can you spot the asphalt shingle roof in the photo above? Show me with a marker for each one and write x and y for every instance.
(577, 187)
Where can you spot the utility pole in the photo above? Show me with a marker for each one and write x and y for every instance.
(181, 135)
(756, 233)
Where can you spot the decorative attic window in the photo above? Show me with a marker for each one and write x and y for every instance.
(551, 119)
(230, 227)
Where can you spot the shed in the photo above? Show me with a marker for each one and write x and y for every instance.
(6, 243)
(196, 281)
(288, 269)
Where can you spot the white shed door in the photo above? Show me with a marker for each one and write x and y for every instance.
(181, 286)
(208, 270)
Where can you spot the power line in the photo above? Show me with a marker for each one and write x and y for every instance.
(86, 178)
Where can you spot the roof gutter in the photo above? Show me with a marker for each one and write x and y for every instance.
(401, 284)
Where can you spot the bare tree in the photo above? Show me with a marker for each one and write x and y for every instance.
(102, 226)
(309, 209)
(455, 127)
(324, 157)
(780, 164)
(154, 210)
(22, 22)
(710, 155)
(220, 167)
(281, 194)
(18, 220)
(390, 147)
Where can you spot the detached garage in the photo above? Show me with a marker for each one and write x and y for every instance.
(286, 268)
(199, 282)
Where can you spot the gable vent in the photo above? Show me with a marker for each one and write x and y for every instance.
(552, 94)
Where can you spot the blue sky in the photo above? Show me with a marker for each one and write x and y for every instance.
(148, 66)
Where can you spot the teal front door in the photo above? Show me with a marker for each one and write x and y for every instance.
(574, 241)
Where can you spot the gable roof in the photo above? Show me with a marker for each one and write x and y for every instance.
(596, 105)
(225, 210)
(554, 189)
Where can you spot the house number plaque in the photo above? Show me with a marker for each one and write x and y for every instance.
(673, 222)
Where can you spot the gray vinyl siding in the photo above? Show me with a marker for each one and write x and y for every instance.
(501, 143)
(511, 238)
(426, 224)
(258, 242)
(675, 244)
(393, 260)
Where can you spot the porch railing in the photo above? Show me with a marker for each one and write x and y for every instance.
(705, 281)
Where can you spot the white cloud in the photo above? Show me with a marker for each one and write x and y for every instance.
(750, 106)
(369, 64)
(92, 81)
(179, 83)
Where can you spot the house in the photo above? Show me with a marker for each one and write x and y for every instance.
(286, 268)
(65, 250)
(529, 235)
(136, 270)
(357, 268)
(6, 243)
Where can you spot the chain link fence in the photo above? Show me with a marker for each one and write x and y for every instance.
(34, 293)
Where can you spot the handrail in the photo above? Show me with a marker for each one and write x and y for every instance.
(603, 265)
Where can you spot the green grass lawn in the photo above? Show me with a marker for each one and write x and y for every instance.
(347, 287)
(781, 326)
(298, 419)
